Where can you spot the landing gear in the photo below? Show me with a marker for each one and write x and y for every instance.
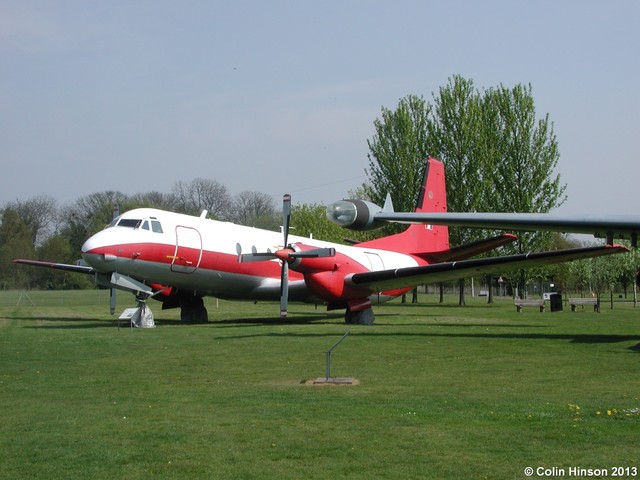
(359, 312)
(362, 317)
(192, 310)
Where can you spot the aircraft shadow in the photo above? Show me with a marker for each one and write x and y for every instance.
(572, 338)
(69, 322)
(322, 318)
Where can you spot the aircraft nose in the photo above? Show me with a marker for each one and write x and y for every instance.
(89, 245)
(93, 251)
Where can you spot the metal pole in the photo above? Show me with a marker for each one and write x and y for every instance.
(328, 370)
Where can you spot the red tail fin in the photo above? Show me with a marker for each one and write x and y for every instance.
(419, 238)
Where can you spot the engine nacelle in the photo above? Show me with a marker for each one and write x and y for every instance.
(354, 214)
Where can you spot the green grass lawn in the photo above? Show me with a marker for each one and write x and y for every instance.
(444, 391)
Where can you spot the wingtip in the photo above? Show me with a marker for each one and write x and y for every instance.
(618, 246)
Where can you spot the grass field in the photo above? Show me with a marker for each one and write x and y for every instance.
(444, 392)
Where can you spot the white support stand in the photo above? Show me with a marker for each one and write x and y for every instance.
(140, 316)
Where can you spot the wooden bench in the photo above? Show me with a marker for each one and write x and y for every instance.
(575, 302)
(519, 303)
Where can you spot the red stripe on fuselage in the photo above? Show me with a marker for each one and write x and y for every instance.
(164, 254)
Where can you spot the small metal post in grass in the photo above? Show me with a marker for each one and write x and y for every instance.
(328, 370)
(328, 380)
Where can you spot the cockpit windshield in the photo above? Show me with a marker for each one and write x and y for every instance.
(150, 224)
(129, 222)
(156, 226)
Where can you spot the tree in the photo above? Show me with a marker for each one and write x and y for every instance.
(497, 156)
(561, 272)
(311, 221)
(397, 153)
(202, 194)
(456, 138)
(88, 215)
(396, 158)
(627, 266)
(523, 154)
(56, 248)
(16, 241)
(164, 201)
(598, 274)
(254, 209)
(38, 214)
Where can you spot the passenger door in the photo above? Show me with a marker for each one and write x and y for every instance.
(188, 250)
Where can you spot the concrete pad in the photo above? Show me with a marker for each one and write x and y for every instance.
(333, 381)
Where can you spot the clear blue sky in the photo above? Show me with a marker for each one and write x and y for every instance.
(280, 96)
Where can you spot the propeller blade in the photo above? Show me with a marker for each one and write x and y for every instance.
(112, 301)
(284, 276)
(284, 289)
(286, 217)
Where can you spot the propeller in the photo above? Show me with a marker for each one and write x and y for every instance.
(284, 273)
(286, 255)
(112, 291)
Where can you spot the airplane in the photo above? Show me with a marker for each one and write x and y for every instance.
(357, 214)
(179, 259)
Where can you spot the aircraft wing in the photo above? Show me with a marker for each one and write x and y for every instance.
(384, 280)
(57, 266)
(600, 226)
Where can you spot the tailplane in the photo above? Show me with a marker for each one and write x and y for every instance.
(420, 239)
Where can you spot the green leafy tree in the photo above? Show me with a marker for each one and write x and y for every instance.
(311, 221)
(630, 265)
(522, 154)
(16, 241)
(456, 138)
(497, 155)
(39, 213)
(596, 276)
(397, 153)
(56, 248)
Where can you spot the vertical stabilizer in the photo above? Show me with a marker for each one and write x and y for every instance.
(420, 238)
